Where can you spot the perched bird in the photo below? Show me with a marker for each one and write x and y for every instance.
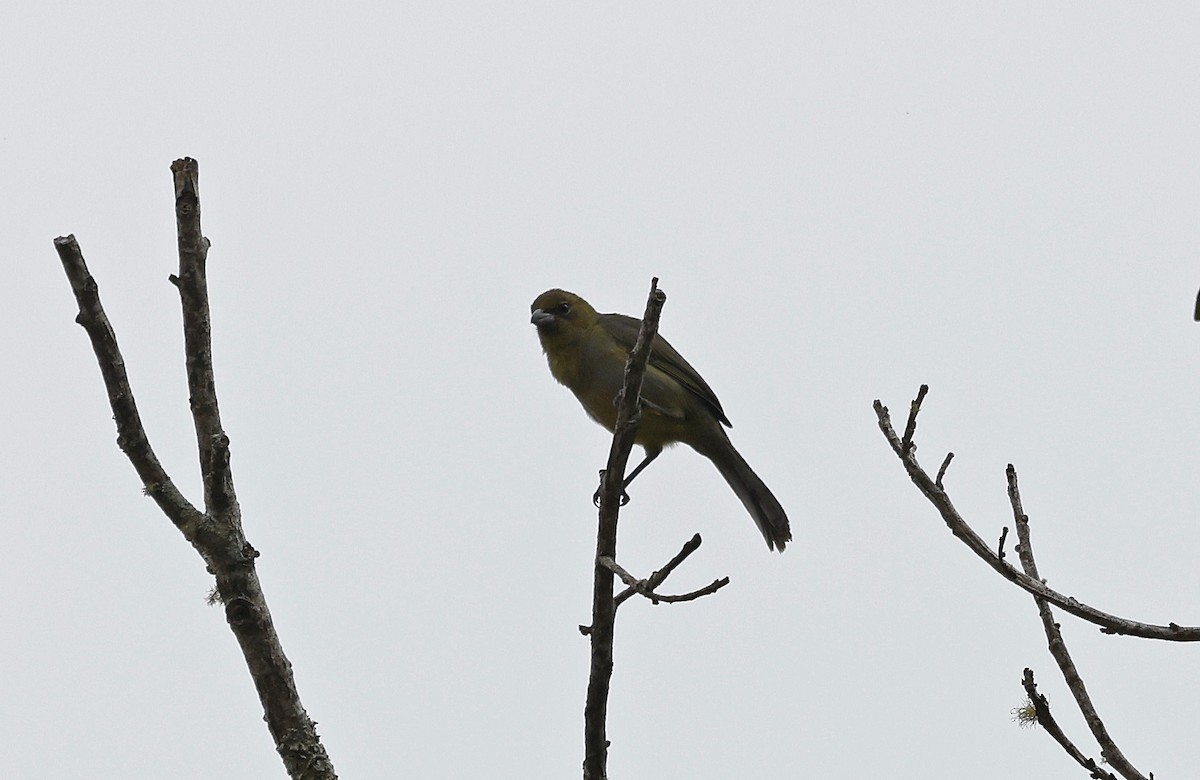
(587, 353)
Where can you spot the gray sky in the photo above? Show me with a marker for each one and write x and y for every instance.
(841, 202)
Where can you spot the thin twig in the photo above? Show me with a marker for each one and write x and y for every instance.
(1041, 706)
(659, 577)
(622, 574)
(1058, 646)
(707, 590)
(644, 588)
(910, 428)
(942, 470)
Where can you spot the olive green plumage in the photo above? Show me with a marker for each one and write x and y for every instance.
(587, 353)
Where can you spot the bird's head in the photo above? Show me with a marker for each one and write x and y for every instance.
(561, 316)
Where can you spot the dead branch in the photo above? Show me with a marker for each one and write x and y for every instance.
(937, 495)
(604, 606)
(659, 577)
(1041, 706)
(216, 533)
(644, 588)
(1058, 648)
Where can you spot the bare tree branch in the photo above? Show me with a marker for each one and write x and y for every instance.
(131, 436)
(1058, 646)
(937, 495)
(942, 470)
(642, 586)
(1041, 706)
(659, 577)
(216, 534)
(192, 282)
(906, 444)
(604, 606)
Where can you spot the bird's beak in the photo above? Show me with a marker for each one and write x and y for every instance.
(541, 317)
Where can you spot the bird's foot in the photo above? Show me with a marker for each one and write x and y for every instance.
(596, 496)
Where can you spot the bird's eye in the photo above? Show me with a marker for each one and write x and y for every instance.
(562, 308)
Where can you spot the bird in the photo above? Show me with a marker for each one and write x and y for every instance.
(587, 353)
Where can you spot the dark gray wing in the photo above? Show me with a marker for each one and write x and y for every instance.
(664, 357)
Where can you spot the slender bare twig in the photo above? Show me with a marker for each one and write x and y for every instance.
(642, 587)
(940, 499)
(1041, 707)
(604, 606)
(707, 590)
(216, 533)
(622, 574)
(942, 470)
(659, 577)
(906, 444)
(1058, 646)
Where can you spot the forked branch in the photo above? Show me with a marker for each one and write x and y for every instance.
(215, 533)
(1029, 579)
(934, 490)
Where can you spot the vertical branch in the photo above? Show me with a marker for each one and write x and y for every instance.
(192, 283)
(604, 608)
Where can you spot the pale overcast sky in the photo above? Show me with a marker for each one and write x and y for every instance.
(842, 201)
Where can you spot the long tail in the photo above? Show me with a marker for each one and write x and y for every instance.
(758, 499)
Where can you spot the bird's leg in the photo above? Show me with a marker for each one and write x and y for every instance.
(651, 454)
